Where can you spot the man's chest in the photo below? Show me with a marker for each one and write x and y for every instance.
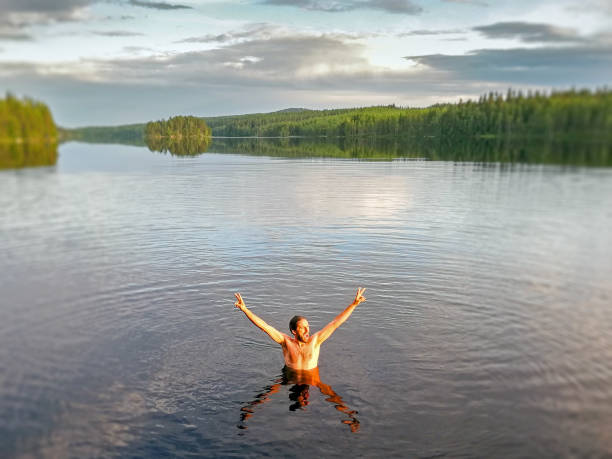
(304, 351)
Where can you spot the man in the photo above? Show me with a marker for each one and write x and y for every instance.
(301, 351)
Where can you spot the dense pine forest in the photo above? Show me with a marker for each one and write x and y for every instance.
(28, 135)
(567, 114)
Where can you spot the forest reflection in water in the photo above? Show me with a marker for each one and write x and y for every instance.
(15, 155)
(575, 152)
(299, 395)
(186, 146)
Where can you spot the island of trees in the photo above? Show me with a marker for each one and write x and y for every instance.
(180, 135)
(28, 135)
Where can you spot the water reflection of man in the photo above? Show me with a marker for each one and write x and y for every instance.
(301, 351)
(299, 395)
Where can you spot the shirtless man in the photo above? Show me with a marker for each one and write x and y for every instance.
(301, 351)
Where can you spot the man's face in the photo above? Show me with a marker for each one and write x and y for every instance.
(302, 331)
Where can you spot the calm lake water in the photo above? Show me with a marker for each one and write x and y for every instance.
(487, 330)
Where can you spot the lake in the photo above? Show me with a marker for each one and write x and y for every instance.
(487, 329)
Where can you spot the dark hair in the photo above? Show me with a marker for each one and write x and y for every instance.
(293, 322)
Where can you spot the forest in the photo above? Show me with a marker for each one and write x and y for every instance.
(28, 135)
(572, 114)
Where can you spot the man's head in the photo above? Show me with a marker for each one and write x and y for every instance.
(299, 328)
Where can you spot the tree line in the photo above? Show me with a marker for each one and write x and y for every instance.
(127, 134)
(567, 114)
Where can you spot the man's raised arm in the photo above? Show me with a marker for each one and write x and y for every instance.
(258, 321)
(340, 318)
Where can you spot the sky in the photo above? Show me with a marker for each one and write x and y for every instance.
(110, 62)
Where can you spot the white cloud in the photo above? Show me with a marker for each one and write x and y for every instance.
(260, 31)
(468, 2)
(22, 13)
(116, 33)
(340, 6)
(588, 65)
(159, 5)
(530, 32)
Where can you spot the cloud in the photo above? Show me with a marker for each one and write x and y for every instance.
(43, 6)
(20, 13)
(591, 7)
(288, 63)
(264, 31)
(63, 10)
(332, 6)
(529, 32)
(546, 66)
(159, 5)
(429, 32)
(258, 31)
(117, 33)
(137, 49)
(17, 15)
(393, 6)
(282, 58)
(323, 62)
(275, 70)
(123, 17)
(14, 35)
(468, 2)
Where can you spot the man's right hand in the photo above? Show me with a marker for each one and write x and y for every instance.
(240, 303)
(359, 298)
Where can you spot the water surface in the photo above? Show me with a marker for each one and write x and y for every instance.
(487, 330)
